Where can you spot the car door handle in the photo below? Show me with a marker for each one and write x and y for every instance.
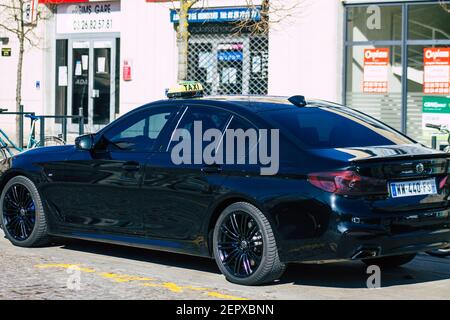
(212, 169)
(131, 166)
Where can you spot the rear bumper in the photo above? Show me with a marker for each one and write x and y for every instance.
(380, 235)
(358, 242)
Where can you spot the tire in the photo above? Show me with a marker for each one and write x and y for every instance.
(51, 141)
(30, 220)
(390, 261)
(243, 251)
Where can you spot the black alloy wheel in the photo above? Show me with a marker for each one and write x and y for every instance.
(19, 212)
(240, 244)
(22, 213)
(244, 246)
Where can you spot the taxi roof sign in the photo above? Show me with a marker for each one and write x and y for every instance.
(185, 89)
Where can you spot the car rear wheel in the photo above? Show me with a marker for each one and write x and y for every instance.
(390, 261)
(22, 213)
(244, 246)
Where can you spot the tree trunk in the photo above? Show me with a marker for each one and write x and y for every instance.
(21, 38)
(19, 84)
(183, 39)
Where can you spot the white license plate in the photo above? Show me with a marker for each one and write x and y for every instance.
(412, 188)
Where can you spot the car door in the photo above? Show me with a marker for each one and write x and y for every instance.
(179, 194)
(103, 192)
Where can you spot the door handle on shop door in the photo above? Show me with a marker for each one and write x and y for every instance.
(131, 166)
(214, 168)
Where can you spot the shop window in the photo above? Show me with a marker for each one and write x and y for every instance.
(429, 22)
(229, 64)
(381, 99)
(417, 113)
(374, 22)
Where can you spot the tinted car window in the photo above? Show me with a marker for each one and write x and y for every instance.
(322, 128)
(140, 132)
(250, 143)
(210, 118)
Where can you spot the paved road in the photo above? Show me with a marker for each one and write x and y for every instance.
(84, 270)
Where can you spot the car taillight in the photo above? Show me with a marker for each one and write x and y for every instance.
(348, 183)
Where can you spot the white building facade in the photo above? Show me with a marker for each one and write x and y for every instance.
(104, 58)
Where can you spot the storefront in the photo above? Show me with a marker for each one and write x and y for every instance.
(388, 59)
(87, 62)
(397, 63)
(225, 56)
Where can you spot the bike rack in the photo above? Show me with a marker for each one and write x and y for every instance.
(64, 125)
(22, 113)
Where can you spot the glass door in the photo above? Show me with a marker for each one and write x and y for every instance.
(103, 85)
(92, 77)
(80, 80)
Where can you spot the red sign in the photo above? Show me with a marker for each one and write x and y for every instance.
(436, 70)
(376, 63)
(61, 1)
(126, 71)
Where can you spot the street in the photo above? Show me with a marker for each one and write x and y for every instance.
(75, 269)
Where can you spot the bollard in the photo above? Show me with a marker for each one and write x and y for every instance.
(434, 142)
(21, 126)
(81, 121)
(64, 129)
(42, 132)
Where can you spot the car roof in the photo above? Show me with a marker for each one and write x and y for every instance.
(249, 103)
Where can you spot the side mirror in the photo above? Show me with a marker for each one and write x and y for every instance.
(85, 142)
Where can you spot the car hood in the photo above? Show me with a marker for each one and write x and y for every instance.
(46, 150)
(362, 154)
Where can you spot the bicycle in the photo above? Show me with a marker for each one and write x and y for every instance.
(443, 252)
(6, 144)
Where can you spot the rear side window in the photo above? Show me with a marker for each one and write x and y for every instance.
(207, 118)
(324, 128)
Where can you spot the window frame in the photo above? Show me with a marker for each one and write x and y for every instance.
(138, 116)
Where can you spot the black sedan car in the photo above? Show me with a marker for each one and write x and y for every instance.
(346, 187)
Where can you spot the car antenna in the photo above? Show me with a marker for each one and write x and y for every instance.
(298, 101)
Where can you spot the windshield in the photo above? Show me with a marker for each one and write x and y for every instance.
(334, 127)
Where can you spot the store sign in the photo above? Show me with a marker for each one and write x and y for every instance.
(6, 52)
(229, 56)
(435, 110)
(91, 17)
(376, 64)
(436, 75)
(219, 15)
(30, 11)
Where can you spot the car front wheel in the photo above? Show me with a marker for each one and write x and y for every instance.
(244, 246)
(22, 213)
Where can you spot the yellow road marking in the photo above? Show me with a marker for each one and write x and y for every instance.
(145, 281)
(224, 296)
(64, 266)
(123, 277)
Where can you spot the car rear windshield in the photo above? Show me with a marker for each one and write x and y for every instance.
(332, 127)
